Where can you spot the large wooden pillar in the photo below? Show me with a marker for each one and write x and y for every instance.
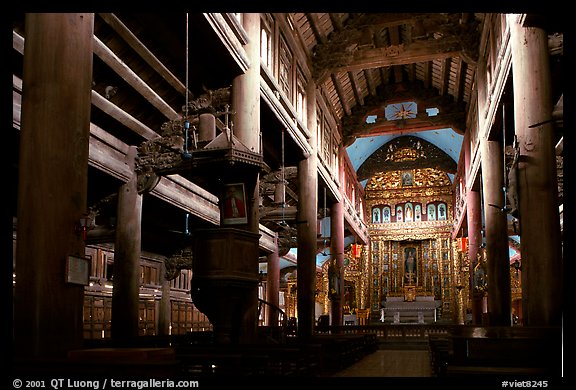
(306, 232)
(246, 89)
(337, 260)
(497, 257)
(537, 182)
(52, 184)
(273, 284)
(474, 223)
(127, 251)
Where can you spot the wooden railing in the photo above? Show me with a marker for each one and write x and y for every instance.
(392, 332)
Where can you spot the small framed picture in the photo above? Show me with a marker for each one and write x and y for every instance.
(407, 178)
(234, 204)
(78, 270)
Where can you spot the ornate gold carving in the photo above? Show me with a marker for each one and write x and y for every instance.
(398, 155)
(423, 177)
(406, 154)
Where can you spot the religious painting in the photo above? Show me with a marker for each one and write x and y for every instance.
(408, 212)
(376, 215)
(417, 213)
(410, 265)
(407, 178)
(234, 205)
(431, 211)
(442, 212)
(386, 214)
(399, 214)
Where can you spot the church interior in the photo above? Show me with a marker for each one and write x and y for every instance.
(201, 195)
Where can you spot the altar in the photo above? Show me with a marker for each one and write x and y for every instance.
(420, 310)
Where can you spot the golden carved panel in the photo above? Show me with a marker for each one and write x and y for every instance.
(424, 177)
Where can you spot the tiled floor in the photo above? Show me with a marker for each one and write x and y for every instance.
(391, 363)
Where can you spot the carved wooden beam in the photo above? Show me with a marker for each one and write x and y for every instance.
(419, 51)
(421, 123)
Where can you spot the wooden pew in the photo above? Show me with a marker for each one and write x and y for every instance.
(497, 351)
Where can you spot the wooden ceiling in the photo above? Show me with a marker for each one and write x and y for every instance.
(360, 62)
(364, 61)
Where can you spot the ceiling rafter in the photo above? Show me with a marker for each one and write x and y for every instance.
(356, 88)
(370, 82)
(427, 67)
(459, 79)
(341, 94)
(444, 76)
(394, 34)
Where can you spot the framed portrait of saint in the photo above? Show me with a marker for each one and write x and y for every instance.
(407, 178)
(234, 204)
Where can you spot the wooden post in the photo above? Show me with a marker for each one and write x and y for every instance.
(307, 234)
(52, 184)
(540, 244)
(497, 258)
(127, 253)
(273, 284)
(337, 256)
(474, 222)
(165, 305)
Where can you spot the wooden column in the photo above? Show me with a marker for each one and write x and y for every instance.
(52, 184)
(127, 253)
(497, 257)
(246, 88)
(337, 259)
(165, 306)
(306, 232)
(474, 223)
(273, 285)
(246, 105)
(537, 182)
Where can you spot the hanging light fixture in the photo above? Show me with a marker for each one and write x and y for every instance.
(84, 224)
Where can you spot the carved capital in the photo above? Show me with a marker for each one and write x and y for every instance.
(177, 262)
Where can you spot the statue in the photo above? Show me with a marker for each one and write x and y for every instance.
(410, 264)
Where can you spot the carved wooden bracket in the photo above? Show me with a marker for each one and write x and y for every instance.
(177, 149)
(177, 262)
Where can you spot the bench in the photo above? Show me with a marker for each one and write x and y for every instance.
(497, 351)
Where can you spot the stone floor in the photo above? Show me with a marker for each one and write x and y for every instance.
(391, 363)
